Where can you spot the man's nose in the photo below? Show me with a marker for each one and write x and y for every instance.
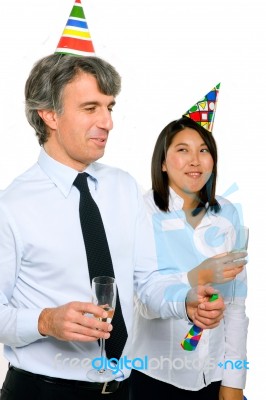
(105, 120)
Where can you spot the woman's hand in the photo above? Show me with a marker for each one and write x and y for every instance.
(202, 312)
(218, 269)
(228, 393)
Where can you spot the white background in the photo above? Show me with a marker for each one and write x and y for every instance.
(170, 53)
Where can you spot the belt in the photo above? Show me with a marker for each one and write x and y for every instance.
(104, 388)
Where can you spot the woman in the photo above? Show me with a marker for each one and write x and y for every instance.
(191, 224)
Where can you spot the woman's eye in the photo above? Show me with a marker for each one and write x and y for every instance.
(205, 150)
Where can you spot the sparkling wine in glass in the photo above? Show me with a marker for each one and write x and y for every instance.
(104, 295)
(242, 236)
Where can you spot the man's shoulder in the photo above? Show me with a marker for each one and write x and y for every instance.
(20, 182)
(112, 172)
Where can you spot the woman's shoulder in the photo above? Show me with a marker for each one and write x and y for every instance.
(149, 202)
(148, 194)
(223, 201)
(228, 208)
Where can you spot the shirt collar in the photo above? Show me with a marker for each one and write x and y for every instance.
(175, 201)
(176, 204)
(62, 175)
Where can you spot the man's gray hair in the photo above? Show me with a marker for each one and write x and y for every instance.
(48, 78)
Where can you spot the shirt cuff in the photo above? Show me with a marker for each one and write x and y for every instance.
(175, 302)
(235, 378)
(27, 326)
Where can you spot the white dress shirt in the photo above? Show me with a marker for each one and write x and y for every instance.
(43, 262)
(180, 248)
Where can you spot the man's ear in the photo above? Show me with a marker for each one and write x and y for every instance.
(49, 118)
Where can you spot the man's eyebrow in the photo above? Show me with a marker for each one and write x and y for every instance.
(96, 103)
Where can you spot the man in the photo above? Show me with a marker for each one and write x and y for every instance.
(46, 311)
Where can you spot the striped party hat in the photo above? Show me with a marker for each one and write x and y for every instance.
(76, 38)
(203, 112)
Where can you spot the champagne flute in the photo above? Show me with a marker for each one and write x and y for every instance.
(104, 295)
(241, 244)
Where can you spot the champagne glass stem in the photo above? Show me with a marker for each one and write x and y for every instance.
(242, 245)
(102, 347)
(102, 344)
(233, 291)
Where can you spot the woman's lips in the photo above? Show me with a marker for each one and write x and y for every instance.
(194, 174)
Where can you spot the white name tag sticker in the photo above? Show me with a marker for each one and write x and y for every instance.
(172, 224)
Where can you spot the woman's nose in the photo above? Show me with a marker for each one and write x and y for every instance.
(195, 162)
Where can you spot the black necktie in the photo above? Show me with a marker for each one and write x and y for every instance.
(99, 259)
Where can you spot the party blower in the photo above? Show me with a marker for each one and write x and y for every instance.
(192, 338)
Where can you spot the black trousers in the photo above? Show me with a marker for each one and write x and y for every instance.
(144, 387)
(18, 386)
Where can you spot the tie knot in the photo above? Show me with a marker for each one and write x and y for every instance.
(81, 182)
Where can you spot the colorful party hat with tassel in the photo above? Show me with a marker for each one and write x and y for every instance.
(203, 112)
(76, 38)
